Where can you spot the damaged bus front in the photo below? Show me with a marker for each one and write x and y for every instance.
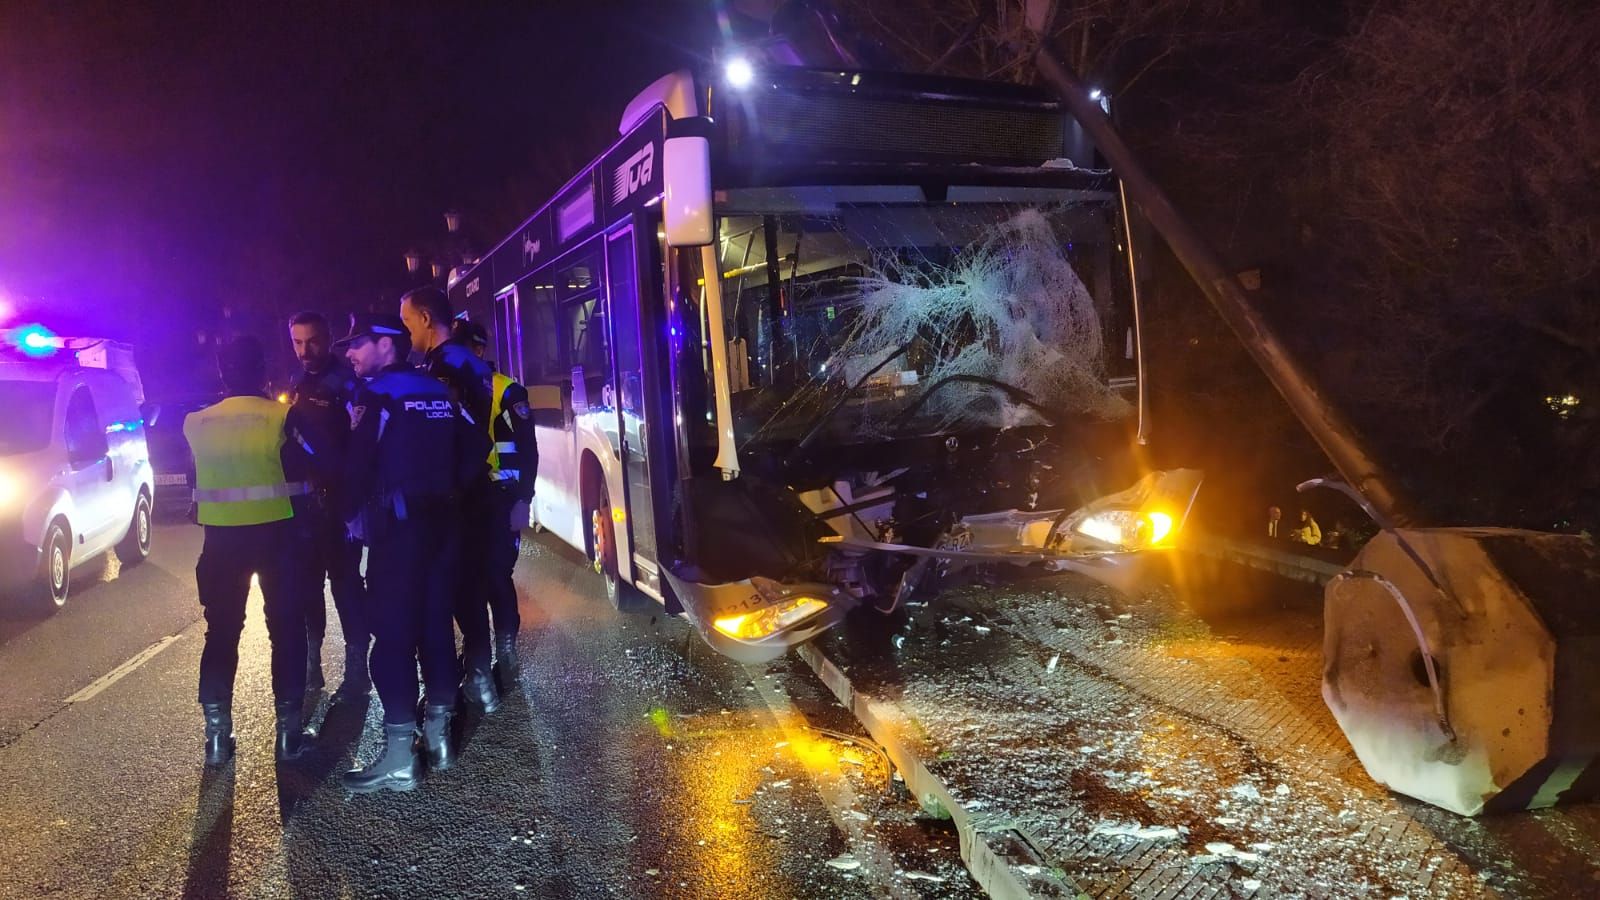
(886, 331)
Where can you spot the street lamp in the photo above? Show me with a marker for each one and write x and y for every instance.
(452, 221)
(413, 261)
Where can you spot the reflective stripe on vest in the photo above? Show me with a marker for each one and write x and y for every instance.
(505, 446)
(238, 466)
(245, 494)
(505, 475)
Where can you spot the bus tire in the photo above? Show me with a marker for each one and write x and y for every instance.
(603, 550)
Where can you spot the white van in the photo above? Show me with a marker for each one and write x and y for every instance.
(75, 475)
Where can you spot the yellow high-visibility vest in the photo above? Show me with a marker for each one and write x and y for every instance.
(238, 472)
(499, 385)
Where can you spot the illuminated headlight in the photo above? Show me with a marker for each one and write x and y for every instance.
(9, 488)
(739, 72)
(1127, 527)
(769, 620)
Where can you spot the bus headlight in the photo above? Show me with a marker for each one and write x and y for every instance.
(769, 620)
(1127, 527)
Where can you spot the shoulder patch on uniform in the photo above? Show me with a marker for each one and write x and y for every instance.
(521, 409)
(356, 412)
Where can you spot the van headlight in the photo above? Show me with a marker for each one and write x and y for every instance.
(10, 488)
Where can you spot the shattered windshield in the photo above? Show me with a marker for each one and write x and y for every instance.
(887, 316)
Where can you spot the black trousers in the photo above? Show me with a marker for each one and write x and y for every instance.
(478, 533)
(334, 556)
(501, 550)
(411, 575)
(230, 555)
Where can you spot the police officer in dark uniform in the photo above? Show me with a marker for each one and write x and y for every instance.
(513, 467)
(409, 456)
(321, 395)
(428, 316)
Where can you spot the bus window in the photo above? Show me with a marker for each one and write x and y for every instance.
(582, 313)
(584, 325)
(541, 337)
(586, 335)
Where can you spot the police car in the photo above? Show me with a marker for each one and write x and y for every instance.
(75, 475)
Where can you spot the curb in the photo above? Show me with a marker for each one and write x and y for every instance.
(988, 865)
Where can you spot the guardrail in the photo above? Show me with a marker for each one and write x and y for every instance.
(1267, 559)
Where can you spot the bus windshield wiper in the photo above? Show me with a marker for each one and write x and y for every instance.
(1015, 394)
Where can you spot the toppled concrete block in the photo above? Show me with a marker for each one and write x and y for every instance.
(1507, 716)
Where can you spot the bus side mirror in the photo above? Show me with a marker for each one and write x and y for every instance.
(686, 165)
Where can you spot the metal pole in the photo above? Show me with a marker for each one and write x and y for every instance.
(1143, 436)
(1336, 436)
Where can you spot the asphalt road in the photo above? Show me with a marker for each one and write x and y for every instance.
(628, 761)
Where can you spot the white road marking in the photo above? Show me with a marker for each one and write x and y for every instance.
(117, 674)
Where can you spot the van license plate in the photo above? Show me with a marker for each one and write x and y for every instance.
(172, 479)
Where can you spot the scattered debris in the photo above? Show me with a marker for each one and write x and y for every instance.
(1245, 791)
(1226, 850)
(1138, 832)
(845, 863)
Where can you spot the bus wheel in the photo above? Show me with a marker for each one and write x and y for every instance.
(603, 541)
(603, 555)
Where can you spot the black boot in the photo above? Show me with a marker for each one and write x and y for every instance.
(357, 683)
(436, 737)
(219, 732)
(395, 770)
(314, 679)
(505, 656)
(480, 691)
(291, 732)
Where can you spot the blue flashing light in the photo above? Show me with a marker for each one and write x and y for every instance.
(130, 425)
(35, 340)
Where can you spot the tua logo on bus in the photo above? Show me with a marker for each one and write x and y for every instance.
(433, 409)
(633, 173)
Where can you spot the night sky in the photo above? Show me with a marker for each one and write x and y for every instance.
(156, 167)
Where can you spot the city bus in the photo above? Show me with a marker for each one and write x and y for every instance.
(807, 341)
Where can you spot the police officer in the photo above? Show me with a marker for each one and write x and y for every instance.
(321, 395)
(427, 315)
(242, 495)
(409, 455)
(513, 466)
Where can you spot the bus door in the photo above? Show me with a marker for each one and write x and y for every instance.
(622, 281)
